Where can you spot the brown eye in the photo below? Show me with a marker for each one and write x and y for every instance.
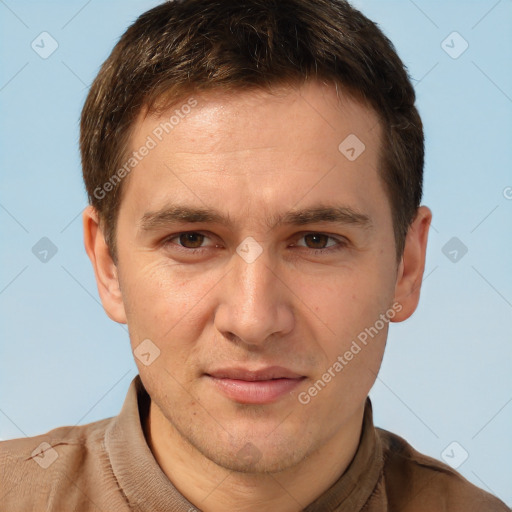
(316, 240)
(191, 240)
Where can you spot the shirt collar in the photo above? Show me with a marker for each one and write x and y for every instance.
(147, 488)
(140, 478)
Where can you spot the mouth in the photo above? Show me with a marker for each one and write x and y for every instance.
(262, 386)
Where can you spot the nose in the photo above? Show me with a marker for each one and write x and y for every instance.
(255, 304)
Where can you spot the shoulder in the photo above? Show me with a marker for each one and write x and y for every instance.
(35, 471)
(64, 444)
(417, 482)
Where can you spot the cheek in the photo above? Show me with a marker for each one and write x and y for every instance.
(348, 327)
(171, 311)
(346, 301)
(352, 335)
(160, 301)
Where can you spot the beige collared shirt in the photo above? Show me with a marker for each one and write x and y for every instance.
(107, 466)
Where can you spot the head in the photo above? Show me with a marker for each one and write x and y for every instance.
(254, 170)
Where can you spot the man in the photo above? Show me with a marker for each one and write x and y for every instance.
(254, 169)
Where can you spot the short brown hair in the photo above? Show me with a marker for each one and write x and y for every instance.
(187, 46)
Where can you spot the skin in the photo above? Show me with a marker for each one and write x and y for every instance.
(254, 157)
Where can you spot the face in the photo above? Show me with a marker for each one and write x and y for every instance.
(255, 254)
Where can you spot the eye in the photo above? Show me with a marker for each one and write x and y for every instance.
(318, 241)
(189, 240)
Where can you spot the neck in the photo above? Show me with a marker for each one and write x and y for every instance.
(212, 488)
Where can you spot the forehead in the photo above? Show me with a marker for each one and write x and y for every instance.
(256, 148)
(316, 110)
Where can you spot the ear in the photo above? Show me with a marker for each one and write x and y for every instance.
(412, 265)
(105, 269)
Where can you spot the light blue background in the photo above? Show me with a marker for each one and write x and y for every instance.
(446, 374)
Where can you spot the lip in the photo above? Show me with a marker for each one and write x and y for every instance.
(262, 386)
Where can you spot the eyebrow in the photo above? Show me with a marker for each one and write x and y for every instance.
(345, 215)
(335, 215)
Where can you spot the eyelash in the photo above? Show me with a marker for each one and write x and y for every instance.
(341, 243)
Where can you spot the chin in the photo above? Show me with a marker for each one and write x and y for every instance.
(250, 459)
